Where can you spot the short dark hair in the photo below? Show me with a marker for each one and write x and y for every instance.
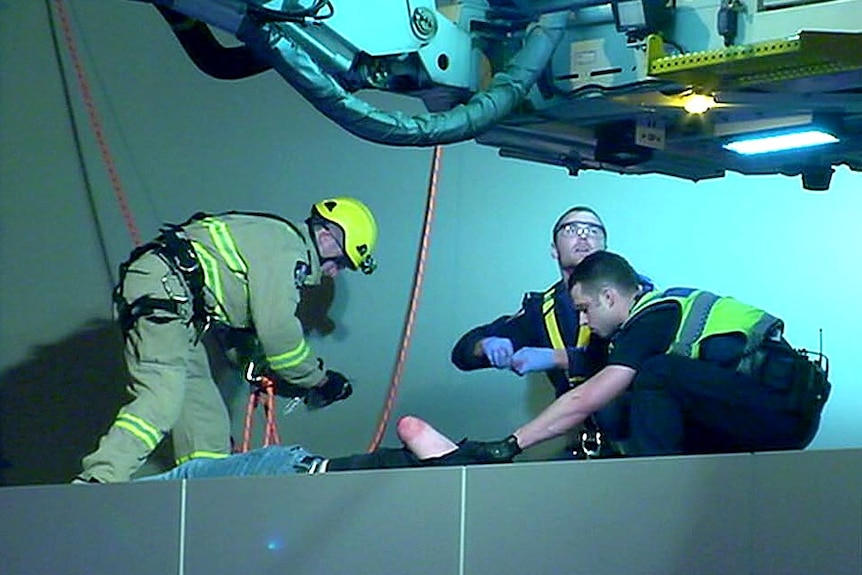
(587, 209)
(604, 268)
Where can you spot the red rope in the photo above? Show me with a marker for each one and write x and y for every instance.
(265, 386)
(96, 123)
(418, 281)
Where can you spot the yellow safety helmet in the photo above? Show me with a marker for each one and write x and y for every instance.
(360, 230)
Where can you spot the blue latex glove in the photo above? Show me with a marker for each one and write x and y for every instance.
(529, 359)
(498, 350)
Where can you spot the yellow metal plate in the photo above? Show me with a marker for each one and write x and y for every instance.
(804, 55)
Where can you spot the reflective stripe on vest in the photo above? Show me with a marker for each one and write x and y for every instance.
(552, 327)
(704, 314)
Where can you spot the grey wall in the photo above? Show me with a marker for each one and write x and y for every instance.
(182, 142)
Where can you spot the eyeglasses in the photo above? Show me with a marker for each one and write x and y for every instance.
(580, 229)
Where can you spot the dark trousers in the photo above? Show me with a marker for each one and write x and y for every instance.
(678, 405)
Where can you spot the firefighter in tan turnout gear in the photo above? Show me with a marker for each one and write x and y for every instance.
(243, 271)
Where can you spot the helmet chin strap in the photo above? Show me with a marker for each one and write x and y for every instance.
(310, 223)
(342, 261)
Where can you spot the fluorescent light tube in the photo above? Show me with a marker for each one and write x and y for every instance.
(779, 142)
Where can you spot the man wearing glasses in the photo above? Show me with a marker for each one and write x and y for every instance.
(701, 373)
(546, 333)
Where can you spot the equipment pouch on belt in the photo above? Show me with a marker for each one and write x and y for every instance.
(802, 374)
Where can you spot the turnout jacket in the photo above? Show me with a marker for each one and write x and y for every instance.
(254, 266)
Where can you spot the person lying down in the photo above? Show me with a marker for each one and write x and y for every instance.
(423, 446)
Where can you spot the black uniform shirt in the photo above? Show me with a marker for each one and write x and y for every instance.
(650, 333)
(653, 330)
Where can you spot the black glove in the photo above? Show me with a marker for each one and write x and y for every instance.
(284, 388)
(473, 452)
(336, 388)
(257, 372)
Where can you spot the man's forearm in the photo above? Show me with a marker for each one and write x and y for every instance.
(574, 406)
(562, 415)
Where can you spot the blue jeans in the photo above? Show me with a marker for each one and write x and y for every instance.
(272, 460)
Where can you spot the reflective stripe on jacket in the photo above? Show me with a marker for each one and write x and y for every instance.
(249, 263)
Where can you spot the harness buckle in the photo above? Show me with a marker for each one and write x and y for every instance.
(591, 443)
(179, 298)
(174, 246)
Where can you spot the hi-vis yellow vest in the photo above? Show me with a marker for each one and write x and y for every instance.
(705, 314)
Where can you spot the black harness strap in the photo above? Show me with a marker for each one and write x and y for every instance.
(144, 306)
(176, 250)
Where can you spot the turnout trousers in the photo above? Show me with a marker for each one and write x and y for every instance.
(171, 384)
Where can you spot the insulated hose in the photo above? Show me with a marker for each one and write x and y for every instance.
(461, 123)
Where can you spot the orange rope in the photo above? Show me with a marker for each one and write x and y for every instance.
(96, 123)
(418, 281)
(265, 386)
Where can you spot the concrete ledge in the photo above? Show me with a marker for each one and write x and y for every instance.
(773, 513)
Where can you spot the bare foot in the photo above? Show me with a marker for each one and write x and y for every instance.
(422, 439)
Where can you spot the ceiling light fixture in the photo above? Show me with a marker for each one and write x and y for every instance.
(766, 143)
(698, 103)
